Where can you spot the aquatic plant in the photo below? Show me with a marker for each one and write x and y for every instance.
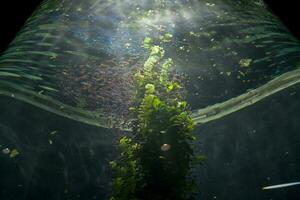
(156, 160)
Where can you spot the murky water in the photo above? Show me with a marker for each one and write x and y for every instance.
(66, 84)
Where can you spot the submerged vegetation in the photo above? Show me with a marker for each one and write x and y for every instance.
(156, 161)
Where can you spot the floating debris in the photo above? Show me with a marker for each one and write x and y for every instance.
(260, 3)
(165, 147)
(6, 151)
(194, 34)
(14, 153)
(242, 73)
(210, 4)
(50, 141)
(127, 45)
(41, 92)
(166, 38)
(280, 186)
(245, 62)
(53, 132)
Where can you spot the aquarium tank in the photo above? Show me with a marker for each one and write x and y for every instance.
(150, 99)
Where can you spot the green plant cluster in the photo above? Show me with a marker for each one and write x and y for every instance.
(156, 161)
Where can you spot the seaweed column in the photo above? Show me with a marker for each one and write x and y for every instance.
(155, 162)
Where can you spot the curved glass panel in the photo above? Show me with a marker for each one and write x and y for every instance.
(76, 58)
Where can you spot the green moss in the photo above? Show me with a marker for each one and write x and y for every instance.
(155, 162)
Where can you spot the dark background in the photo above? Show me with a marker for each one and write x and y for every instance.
(13, 14)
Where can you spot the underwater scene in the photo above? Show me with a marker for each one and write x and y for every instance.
(150, 100)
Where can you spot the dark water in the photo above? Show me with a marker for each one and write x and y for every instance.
(253, 148)
(245, 151)
(74, 166)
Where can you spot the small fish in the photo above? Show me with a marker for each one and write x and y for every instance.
(53, 132)
(280, 186)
